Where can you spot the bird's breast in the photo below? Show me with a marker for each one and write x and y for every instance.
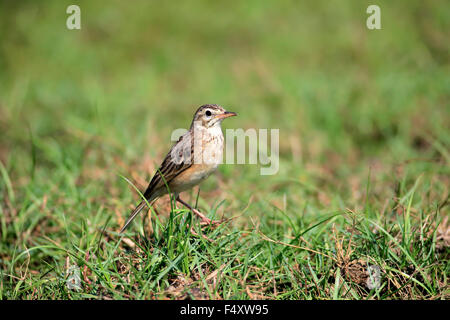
(208, 148)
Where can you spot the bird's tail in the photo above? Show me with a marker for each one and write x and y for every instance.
(134, 214)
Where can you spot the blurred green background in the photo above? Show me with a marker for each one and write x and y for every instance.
(342, 95)
(80, 107)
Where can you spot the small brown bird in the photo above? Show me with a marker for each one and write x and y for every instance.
(190, 160)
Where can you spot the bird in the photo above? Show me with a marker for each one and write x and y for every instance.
(192, 159)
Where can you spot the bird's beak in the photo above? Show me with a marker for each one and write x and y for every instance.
(226, 114)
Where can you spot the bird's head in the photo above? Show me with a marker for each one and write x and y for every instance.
(210, 115)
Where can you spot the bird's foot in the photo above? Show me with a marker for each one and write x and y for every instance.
(205, 221)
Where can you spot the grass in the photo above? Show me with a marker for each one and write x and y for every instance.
(364, 150)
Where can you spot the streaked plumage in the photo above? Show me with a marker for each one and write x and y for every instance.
(191, 159)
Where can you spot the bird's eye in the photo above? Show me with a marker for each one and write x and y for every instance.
(208, 113)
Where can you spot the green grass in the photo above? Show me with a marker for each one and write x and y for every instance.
(364, 149)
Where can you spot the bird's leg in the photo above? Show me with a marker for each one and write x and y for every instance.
(205, 219)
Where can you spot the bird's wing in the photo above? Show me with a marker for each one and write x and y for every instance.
(177, 160)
